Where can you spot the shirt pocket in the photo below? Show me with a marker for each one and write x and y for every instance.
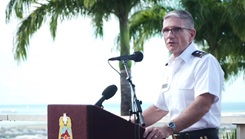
(187, 84)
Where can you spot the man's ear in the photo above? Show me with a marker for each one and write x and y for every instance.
(193, 34)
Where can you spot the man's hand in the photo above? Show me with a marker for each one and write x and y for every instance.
(157, 132)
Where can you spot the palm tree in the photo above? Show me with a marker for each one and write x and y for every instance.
(220, 30)
(130, 14)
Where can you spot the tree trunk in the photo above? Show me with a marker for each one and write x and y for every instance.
(126, 102)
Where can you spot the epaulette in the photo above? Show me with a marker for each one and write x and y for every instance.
(198, 53)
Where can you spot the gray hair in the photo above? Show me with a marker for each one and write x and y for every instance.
(182, 14)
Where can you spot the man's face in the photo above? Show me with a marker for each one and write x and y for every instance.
(177, 35)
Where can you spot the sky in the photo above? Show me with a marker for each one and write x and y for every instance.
(73, 69)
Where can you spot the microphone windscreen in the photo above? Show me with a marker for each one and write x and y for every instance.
(109, 91)
(138, 56)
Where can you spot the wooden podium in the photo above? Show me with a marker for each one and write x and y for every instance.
(92, 122)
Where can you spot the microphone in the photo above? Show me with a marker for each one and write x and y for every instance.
(136, 56)
(106, 94)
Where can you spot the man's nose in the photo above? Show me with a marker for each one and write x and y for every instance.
(169, 34)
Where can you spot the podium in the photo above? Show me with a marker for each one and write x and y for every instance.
(91, 122)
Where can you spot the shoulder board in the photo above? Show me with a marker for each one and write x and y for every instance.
(199, 54)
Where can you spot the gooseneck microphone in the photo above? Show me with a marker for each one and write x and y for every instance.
(106, 94)
(136, 56)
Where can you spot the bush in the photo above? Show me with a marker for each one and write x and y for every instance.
(230, 135)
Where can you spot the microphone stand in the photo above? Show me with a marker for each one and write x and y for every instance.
(136, 103)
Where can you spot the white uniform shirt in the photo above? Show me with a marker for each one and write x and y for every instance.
(187, 77)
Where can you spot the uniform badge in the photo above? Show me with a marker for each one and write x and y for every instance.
(65, 130)
(199, 54)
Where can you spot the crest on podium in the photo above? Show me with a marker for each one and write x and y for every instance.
(65, 130)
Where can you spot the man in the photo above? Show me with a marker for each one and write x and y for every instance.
(192, 86)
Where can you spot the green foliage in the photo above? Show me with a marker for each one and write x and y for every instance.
(146, 23)
(230, 135)
(220, 31)
(32, 20)
(53, 11)
(34, 13)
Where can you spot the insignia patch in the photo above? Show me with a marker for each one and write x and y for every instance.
(198, 53)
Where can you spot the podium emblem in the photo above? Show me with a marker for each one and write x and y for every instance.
(65, 130)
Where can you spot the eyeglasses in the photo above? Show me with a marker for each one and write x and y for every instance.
(173, 30)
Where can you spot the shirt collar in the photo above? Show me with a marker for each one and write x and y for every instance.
(185, 55)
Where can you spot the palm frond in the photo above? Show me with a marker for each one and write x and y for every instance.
(19, 8)
(146, 23)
